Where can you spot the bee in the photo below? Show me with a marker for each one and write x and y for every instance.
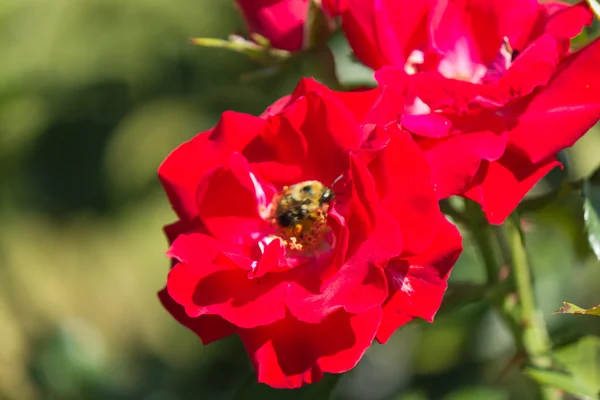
(301, 213)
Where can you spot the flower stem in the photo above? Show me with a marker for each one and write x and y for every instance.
(515, 302)
(526, 317)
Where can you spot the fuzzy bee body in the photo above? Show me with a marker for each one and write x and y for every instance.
(301, 212)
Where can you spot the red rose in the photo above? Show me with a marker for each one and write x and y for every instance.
(460, 39)
(280, 21)
(334, 8)
(306, 288)
(493, 142)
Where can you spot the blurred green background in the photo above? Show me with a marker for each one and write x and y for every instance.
(93, 95)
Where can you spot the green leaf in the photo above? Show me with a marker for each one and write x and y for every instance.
(462, 293)
(414, 394)
(581, 361)
(570, 308)
(320, 64)
(252, 390)
(591, 215)
(478, 393)
(349, 70)
(560, 381)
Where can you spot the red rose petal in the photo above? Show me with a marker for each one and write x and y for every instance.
(532, 68)
(409, 20)
(431, 125)
(277, 107)
(200, 248)
(281, 22)
(417, 284)
(403, 179)
(271, 259)
(568, 22)
(357, 286)
(452, 168)
(440, 93)
(418, 290)
(450, 23)
(554, 117)
(358, 102)
(499, 186)
(228, 293)
(209, 328)
(390, 322)
(290, 353)
(330, 132)
(177, 228)
(183, 168)
(204, 287)
(360, 209)
(455, 160)
(228, 203)
(358, 23)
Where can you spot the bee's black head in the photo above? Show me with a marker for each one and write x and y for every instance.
(327, 196)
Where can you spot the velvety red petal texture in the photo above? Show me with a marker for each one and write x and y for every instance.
(290, 353)
(228, 293)
(361, 206)
(329, 131)
(358, 22)
(417, 284)
(440, 93)
(427, 125)
(177, 228)
(358, 103)
(499, 186)
(384, 32)
(403, 179)
(455, 158)
(227, 202)
(390, 322)
(564, 23)
(209, 328)
(507, 131)
(334, 8)
(222, 288)
(532, 68)
(453, 165)
(555, 116)
(182, 170)
(531, 32)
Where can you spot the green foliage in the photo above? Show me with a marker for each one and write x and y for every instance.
(569, 308)
(478, 393)
(560, 381)
(350, 72)
(252, 390)
(591, 214)
(581, 363)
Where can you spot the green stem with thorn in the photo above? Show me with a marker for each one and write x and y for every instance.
(534, 337)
